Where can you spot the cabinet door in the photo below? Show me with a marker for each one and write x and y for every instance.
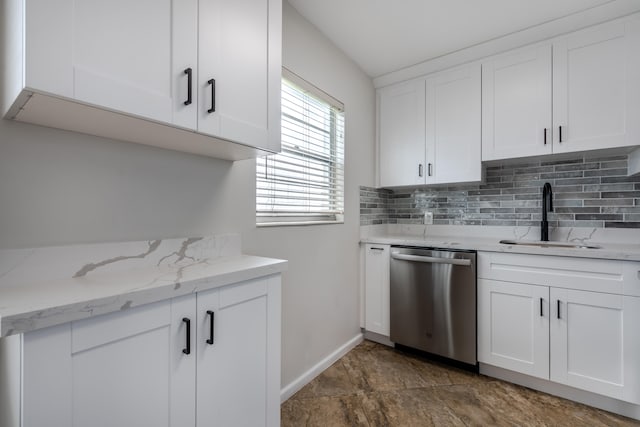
(235, 371)
(124, 369)
(513, 326)
(594, 342)
(123, 55)
(377, 289)
(516, 104)
(453, 108)
(401, 134)
(234, 70)
(596, 90)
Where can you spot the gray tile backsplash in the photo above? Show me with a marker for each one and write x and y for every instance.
(587, 192)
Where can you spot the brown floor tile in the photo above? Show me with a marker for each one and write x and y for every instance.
(375, 385)
(334, 381)
(323, 412)
(380, 369)
(408, 407)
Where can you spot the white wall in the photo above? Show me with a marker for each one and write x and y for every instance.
(58, 187)
(320, 290)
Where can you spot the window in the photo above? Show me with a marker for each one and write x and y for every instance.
(305, 182)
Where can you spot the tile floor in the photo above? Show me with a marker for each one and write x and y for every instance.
(374, 385)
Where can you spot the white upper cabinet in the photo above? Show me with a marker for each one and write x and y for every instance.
(516, 104)
(453, 126)
(581, 92)
(401, 134)
(172, 74)
(429, 129)
(127, 56)
(596, 88)
(233, 66)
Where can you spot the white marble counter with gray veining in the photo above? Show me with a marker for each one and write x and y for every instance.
(620, 244)
(49, 286)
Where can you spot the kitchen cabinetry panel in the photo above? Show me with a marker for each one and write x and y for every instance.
(117, 361)
(48, 55)
(47, 378)
(579, 92)
(129, 70)
(516, 104)
(401, 134)
(377, 297)
(240, 345)
(597, 275)
(596, 92)
(513, 325)
(453, 127)
(139, 71)
(212, 357)
(589, 336)
(233, 52)
(429, 129)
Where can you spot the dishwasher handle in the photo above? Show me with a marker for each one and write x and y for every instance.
(429, 259)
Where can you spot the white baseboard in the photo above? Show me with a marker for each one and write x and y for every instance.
(304, 379)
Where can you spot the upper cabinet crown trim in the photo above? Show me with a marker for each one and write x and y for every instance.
(610, 11)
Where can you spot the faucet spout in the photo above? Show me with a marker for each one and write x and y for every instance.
(547, 206)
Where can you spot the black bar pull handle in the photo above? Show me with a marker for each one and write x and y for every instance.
(189, 73)
(211, 323)
(420, 170)
(377, 249)
(541, 303)
(545, 136)
(212, 82)
(430, 170)
(560, 133)
(187, 349)
(558, 310)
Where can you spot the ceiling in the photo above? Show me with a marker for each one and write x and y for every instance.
(383, 36)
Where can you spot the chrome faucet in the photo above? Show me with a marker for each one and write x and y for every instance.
(547, 206)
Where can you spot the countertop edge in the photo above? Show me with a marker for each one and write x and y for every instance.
(32, 320)
(608, 251)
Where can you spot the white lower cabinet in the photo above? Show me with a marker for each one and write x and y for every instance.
(212, 358)
(583, 339)
(513, 326)
(236, 373)
(594, 342)
(377, 299)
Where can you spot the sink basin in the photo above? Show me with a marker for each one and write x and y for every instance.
(549, 244)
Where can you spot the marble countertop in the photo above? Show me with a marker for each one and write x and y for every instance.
(607, 250)
(31, 303)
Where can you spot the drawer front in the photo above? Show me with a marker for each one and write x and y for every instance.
(597, 275)
(234, 294)
(100, 330)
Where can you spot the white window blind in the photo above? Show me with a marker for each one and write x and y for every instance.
(305, 182)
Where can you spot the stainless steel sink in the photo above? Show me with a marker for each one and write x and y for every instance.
(541, 244)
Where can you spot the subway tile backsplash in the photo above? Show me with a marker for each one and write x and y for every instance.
(587, 192)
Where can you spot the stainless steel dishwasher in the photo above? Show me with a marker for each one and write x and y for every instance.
(433, 301)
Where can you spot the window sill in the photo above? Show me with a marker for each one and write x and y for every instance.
(295, 223)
